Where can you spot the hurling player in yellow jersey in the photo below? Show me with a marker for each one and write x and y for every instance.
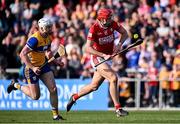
(34, 55)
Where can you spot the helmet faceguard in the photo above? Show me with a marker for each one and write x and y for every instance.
(45, 26)
(105, 17)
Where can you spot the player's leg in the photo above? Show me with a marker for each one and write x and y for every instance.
(48, 80)
(96, 82)
(93, 86)
(106, 71)
(32, 87)
(31, 90)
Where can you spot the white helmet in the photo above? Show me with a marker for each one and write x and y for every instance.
(44, 22)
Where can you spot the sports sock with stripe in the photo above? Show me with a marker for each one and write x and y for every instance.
(18, 86)
(54, 112)
(118, 106)
(75, 97)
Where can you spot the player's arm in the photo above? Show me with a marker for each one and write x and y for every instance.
(124, 34)
(90, 42)
(91, 50)
(24, 56)
(49, 54)
(30, 46)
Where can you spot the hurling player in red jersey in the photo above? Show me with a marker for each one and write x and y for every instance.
(100, 44)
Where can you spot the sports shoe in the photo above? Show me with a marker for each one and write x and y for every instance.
(121, 112)
(11, 87)
(59, 117)
(70, 103)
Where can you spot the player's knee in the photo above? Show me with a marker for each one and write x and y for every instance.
(94, 87)
(114, 79)
(35, 96)
(53, 90)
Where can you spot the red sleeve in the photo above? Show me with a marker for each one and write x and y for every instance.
(91, 34)
(116, 26)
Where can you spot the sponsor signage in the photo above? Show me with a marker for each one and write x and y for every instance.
(16, 100)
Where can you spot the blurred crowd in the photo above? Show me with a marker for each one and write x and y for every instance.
(157, 21)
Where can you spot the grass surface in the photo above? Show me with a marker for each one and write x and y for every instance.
(135, 117)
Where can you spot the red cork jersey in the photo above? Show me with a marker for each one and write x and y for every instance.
(103, 38)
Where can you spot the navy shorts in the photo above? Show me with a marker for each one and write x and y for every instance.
(31, 77)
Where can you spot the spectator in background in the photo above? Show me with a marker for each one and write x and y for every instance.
(159, 48)
(152, 75)
(78, 13)
(60, 10)
(144, 56)
(16, 9)
(155, 60)
(35, 5)
(27, 16)
(17, 33)
(143, 8)
(89, 12)
(168, 59)
(3, 65)
(133, 58)
(71, 44)
(135, 23)
(156, 7)
(74, 64)
(165, 84)
(8, 48)
(120, 11)
(49, 13)
(163, 30)
(175, 83)
(171, 48)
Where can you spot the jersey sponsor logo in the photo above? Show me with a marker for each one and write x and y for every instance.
(105, 32)
(106, 40)
(99, 33)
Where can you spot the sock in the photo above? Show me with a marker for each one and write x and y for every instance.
(75, 96)
(55, 112)
(118, 106)
(18, 86)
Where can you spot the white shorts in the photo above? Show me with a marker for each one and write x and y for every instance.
(95, 60)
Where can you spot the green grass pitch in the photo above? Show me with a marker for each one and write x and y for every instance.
(135, 117)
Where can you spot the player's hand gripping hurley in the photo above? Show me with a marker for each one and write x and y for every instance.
(138, 42)
(60, 52)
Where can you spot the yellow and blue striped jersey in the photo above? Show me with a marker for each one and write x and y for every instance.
(39, 45)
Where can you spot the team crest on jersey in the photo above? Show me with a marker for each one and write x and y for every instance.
(105, 32)
(99, 33)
